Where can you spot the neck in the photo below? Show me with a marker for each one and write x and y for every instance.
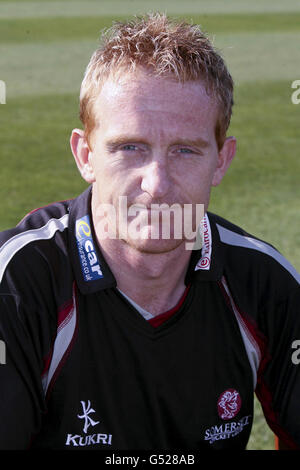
(155, 281)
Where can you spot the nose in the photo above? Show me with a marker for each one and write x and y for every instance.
(155, 180)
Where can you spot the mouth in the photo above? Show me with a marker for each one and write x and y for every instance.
(152, 209)
(157, 206)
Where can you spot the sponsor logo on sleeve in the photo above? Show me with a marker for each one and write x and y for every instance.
(90, 265)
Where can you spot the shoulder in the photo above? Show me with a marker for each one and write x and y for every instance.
(251, 263)
(33, 252)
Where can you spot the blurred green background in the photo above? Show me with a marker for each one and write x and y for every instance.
(44, 49)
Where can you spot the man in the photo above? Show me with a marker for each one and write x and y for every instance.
(119, 339)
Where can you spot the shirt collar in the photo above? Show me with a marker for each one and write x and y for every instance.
(91, 270)
(92, 273)
(207, 263)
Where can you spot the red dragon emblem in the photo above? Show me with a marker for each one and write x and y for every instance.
(229, 404)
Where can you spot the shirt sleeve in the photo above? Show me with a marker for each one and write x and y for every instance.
(22, 402)
(278, 387)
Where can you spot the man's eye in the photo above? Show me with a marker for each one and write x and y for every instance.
(129, 147)
(185, 150)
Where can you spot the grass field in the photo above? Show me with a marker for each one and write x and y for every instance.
(44, 48)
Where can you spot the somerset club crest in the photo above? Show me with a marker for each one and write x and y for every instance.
(229, 404)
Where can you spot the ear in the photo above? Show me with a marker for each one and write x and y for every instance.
(225, 157)
(82, 155)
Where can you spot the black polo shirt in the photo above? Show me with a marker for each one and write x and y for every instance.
(80, 368)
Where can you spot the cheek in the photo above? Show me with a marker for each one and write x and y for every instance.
(112, 182)
(197, 181)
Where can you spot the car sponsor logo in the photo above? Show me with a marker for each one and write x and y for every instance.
(90, 265)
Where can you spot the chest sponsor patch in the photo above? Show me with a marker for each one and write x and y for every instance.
(90, 265)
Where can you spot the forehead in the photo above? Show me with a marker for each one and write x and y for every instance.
(140, 99)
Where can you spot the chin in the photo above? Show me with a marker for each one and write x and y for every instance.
(153, 246)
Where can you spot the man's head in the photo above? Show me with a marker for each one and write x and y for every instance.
(156, 103)
(164, 48)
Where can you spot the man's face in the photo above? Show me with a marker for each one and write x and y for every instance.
(154, 142)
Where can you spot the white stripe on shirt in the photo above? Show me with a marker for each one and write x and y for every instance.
(16, 243)
(233, 238)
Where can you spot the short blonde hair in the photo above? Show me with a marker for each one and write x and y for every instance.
(167, 48)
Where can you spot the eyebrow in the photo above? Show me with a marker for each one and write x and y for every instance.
(121, 140)
(193, 143)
